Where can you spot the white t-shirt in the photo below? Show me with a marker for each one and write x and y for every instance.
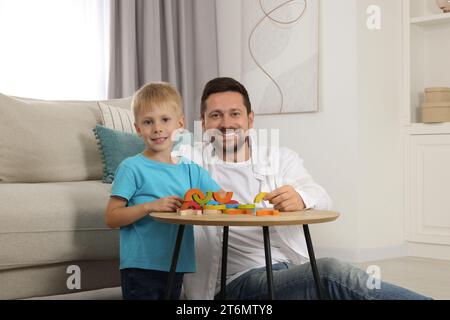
(245, 244)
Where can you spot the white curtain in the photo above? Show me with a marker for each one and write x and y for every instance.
(54, 49)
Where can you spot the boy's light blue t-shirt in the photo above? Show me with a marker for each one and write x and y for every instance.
(149, 244)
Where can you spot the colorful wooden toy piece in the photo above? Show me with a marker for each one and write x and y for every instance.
(259, 197)
(232, 204)
(214, 207)
(267, 212)
(190, 205)
(236, 211)
(188, 195)
(211, 212)
(226, 199)
(202, 200)
(190, 212)
(247, 206)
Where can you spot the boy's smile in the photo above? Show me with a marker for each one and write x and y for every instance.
(159, 140)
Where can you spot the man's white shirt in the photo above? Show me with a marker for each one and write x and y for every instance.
(245, 244)
(267, 170)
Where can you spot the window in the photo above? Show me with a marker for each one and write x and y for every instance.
(54, 49)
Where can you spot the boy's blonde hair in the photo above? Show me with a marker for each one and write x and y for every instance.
(156, 94)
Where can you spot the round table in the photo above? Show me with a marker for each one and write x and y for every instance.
(304, 218)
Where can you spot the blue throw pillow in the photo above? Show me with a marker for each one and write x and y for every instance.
(115, 147)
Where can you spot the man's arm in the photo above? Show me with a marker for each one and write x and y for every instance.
(298, 191)
(286, 198)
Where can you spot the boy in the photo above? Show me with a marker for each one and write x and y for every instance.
(148, 182)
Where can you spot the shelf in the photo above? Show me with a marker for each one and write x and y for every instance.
(428, 128)
(431, 20)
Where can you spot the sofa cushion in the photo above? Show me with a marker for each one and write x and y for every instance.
(55, 222)
(116, 146)
(51, 279)
(49, 141)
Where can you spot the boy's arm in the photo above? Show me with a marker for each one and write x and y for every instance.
(118, 215)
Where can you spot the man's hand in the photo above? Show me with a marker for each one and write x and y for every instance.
(285, 198)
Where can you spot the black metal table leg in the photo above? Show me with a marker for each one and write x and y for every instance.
(173, 267)
(268, 255)
(312, 259)
(223, 276)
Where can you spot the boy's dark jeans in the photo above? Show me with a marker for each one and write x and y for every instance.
(142, 284)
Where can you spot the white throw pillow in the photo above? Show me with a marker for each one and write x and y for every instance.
(117, 118)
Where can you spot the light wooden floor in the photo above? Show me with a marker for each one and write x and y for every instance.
(425, 276)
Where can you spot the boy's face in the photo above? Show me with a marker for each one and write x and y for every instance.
(156, 126)
(226, 112)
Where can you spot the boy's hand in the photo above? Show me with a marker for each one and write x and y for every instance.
(285, 198)
(167, 204)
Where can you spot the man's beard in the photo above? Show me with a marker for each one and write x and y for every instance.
(230, 146)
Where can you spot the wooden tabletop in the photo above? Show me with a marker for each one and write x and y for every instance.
(285, 218)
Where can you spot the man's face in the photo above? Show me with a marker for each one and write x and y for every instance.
(226, 113)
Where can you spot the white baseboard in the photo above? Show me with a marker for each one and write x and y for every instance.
(426, 250)
(358, 255)
(411, 249)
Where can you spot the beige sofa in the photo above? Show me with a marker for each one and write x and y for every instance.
(52, 199)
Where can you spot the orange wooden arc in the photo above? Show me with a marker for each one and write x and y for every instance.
(219, 199)
(188, 195)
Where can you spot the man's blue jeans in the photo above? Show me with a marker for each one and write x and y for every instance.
(340, 281)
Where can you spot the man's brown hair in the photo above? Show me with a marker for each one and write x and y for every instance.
(224, 84)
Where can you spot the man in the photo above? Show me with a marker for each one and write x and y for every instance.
(237, 165)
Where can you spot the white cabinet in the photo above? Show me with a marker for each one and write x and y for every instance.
(429, 219)
(426, 63)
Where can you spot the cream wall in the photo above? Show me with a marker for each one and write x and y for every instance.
(379, 59)
(351, 146)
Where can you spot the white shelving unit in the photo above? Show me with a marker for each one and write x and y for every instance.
(426, 63)
(426, 52)
(430, 20)
(428, 128)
